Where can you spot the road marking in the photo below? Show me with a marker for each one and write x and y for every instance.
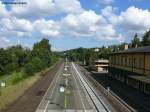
(48, 90)
(79, 94)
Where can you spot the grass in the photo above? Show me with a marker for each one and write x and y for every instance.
(3, 77)
(11, 92)
(16, 85)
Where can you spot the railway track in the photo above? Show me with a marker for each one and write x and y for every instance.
(96, 100)
(123, 104)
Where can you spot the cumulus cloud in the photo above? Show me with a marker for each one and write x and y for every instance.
(47, 28)
(108, 11)
(75, 22)
(120, 38)
(78, 22)
(4, 42)
(15, 27)
(3, 11)
(133, 20)
(83, 24)
(18, 23)
(89, 24)
(46, 8)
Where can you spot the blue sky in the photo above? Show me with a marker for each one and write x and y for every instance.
(73, 23)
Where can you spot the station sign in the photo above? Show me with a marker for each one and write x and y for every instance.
(3, 84)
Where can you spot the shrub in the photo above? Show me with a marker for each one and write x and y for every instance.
(29, 69)
(17, 77)
(34, 66)
(38, 64)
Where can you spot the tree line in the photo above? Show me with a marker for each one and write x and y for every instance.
(89, 55)
(30, 61)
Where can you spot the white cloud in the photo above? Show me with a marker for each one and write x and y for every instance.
(120, 38)
(106, 32)
(15, 27)
(4, 42)
(16, 24)
(4, 39)
(108, 11)
(89, 24)
(81, 24)
(27, 20)
(47, 28)
(3, 11)
(69, 6)
(34, 8)
(133, 20)
(43, 8)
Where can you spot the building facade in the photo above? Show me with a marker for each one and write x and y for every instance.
(101, 65)
(132, 67)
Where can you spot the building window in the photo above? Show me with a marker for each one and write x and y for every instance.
(118, 60)
(115, 60)
(112, 60)
(141, 65)
(130, 62)
(121, 61)
(135, 62)
(125, 59)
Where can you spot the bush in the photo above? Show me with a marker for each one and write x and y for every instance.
(34, 66)
(17, 77)
(29, 69)
(38, 64)
(10, 67)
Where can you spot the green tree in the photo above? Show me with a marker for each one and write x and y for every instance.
(35, 65)
(16, 58)
(29, 68)
(136, 41)
(42, 50)
(87, 56)
(5, 61)
(19, 55)
(146, 39)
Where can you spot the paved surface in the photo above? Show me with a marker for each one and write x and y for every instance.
(78, 96)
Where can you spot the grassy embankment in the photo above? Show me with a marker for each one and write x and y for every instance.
(16, 85)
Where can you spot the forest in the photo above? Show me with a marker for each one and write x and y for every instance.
(26, 62)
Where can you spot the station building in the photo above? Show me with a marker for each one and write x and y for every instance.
(132, 66)
(101, 65)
